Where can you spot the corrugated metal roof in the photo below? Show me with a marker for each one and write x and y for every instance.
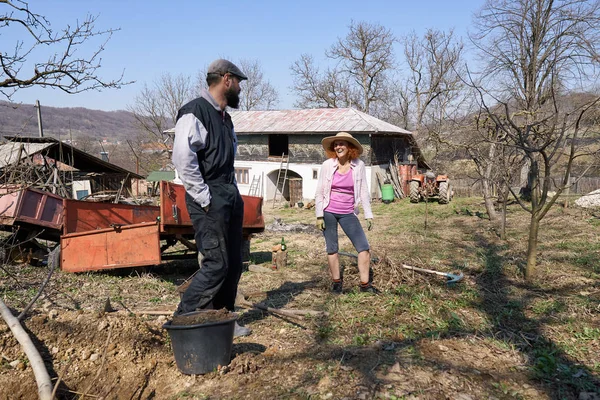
(9, 152)
(318, 120)
(157, 176)
(81, 160)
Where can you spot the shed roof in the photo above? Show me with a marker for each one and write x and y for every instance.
(157, 176)
(9, 152)
(318, 120)
(58, 151)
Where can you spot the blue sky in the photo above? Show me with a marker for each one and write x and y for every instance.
(184, 36)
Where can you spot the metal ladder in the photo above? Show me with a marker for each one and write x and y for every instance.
(255, 186)
(281, 178)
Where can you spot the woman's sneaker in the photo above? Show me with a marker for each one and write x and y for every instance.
(369, 288)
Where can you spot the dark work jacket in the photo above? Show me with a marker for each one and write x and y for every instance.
(217, 157)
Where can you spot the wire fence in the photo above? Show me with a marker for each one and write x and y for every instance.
(474, 187)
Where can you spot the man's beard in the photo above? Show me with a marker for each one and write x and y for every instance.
(232, 97)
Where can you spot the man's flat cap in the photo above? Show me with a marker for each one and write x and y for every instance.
(223, 67)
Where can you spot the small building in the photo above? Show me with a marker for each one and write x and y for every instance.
(274, 141)
(51, 165)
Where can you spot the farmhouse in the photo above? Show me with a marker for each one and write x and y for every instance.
(273, 145)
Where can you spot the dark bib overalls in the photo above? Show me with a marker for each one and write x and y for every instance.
(218, 232)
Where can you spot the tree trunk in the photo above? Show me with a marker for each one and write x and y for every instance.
(487, 188)
(40, 372)
(489, 202)
(534, 225)
(567, 190)
(505, 194)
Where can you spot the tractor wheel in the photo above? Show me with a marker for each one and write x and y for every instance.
(444, 193)
(414, 191)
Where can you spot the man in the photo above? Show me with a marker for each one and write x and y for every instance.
(203, 154)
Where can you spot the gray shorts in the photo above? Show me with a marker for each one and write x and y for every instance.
(352, 228)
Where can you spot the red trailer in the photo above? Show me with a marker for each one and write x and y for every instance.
(31, 212)
(96, 236)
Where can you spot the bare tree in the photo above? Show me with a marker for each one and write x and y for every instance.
(257, 91)
(364, 58)
(328, 89)
(495, 163)
(365, 55)
(432, 90)
(88, 144)
(536, 51)
(155, 107)
(69, 67)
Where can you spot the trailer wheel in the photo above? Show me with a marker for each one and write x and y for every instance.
(414, 191)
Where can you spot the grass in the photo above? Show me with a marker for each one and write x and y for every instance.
(494, 300)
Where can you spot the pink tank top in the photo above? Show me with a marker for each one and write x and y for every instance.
(341, 200)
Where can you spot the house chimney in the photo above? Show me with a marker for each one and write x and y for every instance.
(104, 155)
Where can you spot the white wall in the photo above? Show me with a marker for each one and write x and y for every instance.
(309, 185)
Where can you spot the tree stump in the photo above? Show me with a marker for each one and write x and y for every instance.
(279, 257)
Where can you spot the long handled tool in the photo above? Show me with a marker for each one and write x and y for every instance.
(452, 278)
(240, 300)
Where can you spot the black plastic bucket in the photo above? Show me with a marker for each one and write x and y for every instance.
(201, 348)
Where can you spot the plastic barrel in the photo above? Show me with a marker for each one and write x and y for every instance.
(201, 348)
(387, 193)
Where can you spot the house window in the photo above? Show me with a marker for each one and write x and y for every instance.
(315, 174)
(81, 194)
(241, 175)
(278, 145)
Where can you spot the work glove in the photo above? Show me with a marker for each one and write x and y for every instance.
(369, 224)
(320, 224)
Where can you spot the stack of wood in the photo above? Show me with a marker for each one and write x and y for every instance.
(44, 177)
(279, 257)
(392, 177)
(393, 173)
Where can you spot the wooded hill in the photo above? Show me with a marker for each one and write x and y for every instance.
(64, 123)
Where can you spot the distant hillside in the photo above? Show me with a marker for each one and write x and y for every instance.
(21, 119)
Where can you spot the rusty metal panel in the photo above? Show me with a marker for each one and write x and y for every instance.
(130, 246)
(32, 206)
(174, 215)
(173, 210)
(41, 208)
(8, 207)
(253, 217)
(83, 216)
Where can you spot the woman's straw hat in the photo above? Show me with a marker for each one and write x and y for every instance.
(326, 142)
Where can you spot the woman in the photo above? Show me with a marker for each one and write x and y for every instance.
(342, 186)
